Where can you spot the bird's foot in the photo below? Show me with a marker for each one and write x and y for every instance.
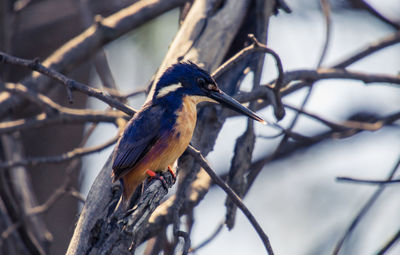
(154, 175)
(172, 173)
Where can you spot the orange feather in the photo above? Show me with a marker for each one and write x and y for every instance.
(166, 150)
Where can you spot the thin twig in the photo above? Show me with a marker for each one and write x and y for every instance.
(371, 125)
(314, 75)
(83, 46)
(67, 82)
(42, 119)
(333, 73)
(256, 46)
(54, 113)
(232, 195)
(77, 152)
(328, 123)
(364, 210)
(43, 102)
(208, 239)
(326, 10)
(362, 181)
(389, 244)
(366, 6)
(369, 50)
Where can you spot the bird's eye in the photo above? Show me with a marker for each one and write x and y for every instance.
(201, 82)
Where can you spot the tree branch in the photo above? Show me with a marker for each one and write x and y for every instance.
(54, 113)
(256, 46)
(364, 210)
(366, 6)
(369, 50)
(363, 181)
(70, 84)
(332, 73)
(326, 10)
(389, 244)
(83, 46)
(232, 195)
(75, 153)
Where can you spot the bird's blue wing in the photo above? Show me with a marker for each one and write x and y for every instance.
(141, 133)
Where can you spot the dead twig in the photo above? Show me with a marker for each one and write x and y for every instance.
(70, 84)
(232, 195)
(256, 46)
(333, 73)
(366, 6)
(369, 50)
(363, 181)
(389, 244)
(77, 152)
(40, 120)
(364, 210)
(83, 46)
(209, 239)
(326, 10)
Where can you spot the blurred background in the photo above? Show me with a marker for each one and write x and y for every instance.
(297, 199)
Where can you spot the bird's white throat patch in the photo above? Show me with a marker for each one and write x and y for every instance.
(199, 99)
(170, 88)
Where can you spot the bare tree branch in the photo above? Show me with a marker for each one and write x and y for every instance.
(326, 10)
(232, 195)
(83, 46)
(364, 210)
(321, 74)
(369, 50)
(256, 46)
(70, 84)
(366, 6)
(362, 181)
(75, 153)
(209, 239)
(389, 244)
(54, 113)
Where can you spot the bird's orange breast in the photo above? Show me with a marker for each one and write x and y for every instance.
(168, 148)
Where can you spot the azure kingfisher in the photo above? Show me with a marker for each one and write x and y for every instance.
(161, 130)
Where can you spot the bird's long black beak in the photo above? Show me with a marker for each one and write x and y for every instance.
(231, 103)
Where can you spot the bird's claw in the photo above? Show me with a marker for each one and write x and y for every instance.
(154, 175)
(172, 173)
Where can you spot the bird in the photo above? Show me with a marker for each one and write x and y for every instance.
(159, 133)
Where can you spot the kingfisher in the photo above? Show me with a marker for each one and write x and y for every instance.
(161, 130)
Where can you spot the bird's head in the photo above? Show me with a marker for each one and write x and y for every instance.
(187, 79)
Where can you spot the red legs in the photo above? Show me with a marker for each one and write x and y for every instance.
(154, 175)
(172, 173)
(151, 173)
